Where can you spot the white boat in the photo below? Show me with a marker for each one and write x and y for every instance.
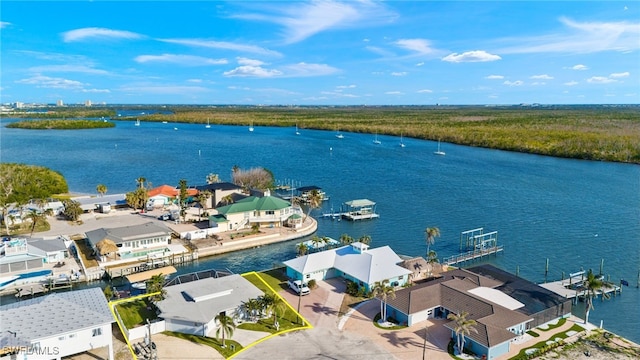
(208, 125)
(139, 285)
(439, 152)
(401, 142)
(164, 122)
(297, 132)
(251, 127)
(376, 141)
(339, 135)
(137, 122)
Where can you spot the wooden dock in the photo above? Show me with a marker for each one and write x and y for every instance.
(151, 263)
(472, 255)
(571, 288)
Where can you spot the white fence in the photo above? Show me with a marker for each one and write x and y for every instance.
(141, 331)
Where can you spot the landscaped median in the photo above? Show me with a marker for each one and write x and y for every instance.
(278, 318)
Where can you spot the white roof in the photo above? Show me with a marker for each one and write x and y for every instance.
(497, 296)
(369, 266)
(202, 300)
(360, 203)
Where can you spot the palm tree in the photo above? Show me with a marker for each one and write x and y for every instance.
(593, 285)
(430, 234)
(316, 241)
(228, 199)
(141, 180)
(463, 326)
(382, 290)
(202, 200)
(365, 239)
(432, 258)
(156, 285)
(226, 327)
(345, 239)
(302, 249)
(277, 308)
(101, 189)
(37, 217)
(314, 200)
(213, 178)
(72, 209)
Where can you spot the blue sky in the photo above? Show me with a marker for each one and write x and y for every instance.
(320, 52)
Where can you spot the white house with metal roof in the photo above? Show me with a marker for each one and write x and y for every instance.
(133, 241)
(56, 325)
(191, 307)
(355, 262)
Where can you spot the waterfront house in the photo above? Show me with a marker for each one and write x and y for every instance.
(92, 203)
(220, 191)
(501, 317)
(164, 195)
(18, 259)
(53, 250)
(130, 242)
(191, 307)
(266, 211)
(355, 262)
(56, 325)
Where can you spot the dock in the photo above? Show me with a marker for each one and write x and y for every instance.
(572, 287)
(151, 263)
(360, 209)
(478, 245)
(472, 255)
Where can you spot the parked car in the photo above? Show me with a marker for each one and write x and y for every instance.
(165, 216)
(299, 287)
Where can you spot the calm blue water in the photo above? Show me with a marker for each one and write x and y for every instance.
(575, 213)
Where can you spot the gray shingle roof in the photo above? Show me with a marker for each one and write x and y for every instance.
(53, 314)
(47, 245)
(128, 233)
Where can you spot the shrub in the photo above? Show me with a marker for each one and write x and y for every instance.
(312, 284)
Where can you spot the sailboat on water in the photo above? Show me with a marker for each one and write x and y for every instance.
(439, 152)
(137, 122)
(251, 127)
(297, 132)
(339, 135)
(208, 125)
(401, 142)
(376, 141)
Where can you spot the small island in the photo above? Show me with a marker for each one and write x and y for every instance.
(61, 124)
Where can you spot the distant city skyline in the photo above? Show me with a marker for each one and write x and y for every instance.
(320, 52)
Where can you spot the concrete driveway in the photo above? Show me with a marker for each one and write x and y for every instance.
(407, 343)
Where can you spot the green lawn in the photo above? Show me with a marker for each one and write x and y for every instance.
(542, 346)
(135, 313)
(214, 343)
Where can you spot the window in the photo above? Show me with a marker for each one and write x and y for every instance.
(96, 332)
(61, 338)
(270, 212)
(71, 336)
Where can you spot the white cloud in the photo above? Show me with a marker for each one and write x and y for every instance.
(222, 45)
(96, 91)
(302, 20)
(471, 56)
(580, 37)
(305, 70)
(513, 83)
(185, 60)
(98, 33)
(538, 83)
(421, 46)
(420, 63)
(67, 68)
(250, 62)
(339, 94)
(600, 80)
(195, 81)
(346, 86)
(619, 75)
(4, 24)
(579, 67)
(394, 93)
(542, 77)
(380, 51)
(494, 77)
(252, 71)
(571, 83)
(163, 89)
(51, 82)
(423, 91)
(399, 73)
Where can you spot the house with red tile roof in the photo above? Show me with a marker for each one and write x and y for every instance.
(165, 195)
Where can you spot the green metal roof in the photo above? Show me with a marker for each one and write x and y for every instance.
(218, 218)
(253, 203)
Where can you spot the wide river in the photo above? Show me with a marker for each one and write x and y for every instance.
(574, 213)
